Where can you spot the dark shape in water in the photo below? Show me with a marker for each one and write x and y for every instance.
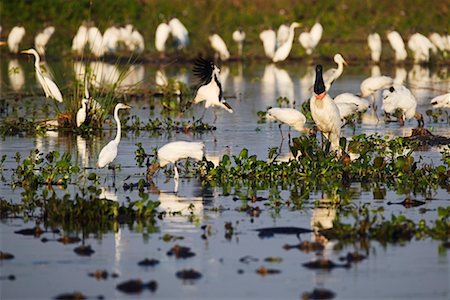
(247, 259)
(9, 277)
(84, 250)
(69, 240)
(71, 296)
(305, 246)
(318, 294)
(263, 271)
(148, 262)
(135, 286)
(189, 274)
(6, 255)
(36, 231)
(353, 257)
(408, 203)
(180, 252)
(324, 264)
(271, 231)
(99, 274)
(426, 138)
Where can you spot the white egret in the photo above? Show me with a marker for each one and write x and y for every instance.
(95, 40)
(290, 116)
(282, 34)
(325, 112)
(442, 101)
(219, 46)
(400, 98)
(269, 39)
(396, 41)
(239, 37)
(42, 38)
(310, 40)
(283, 51)
(109, 152)
(80, 39)
(210, 89)
(14, 38)
(175, 151)
(161, 35)
(361, 103)
(180, 33)
(374, 42)
(82, 112)
(420, 45)
(438, 40)
(373, 84)
(135, 41)
(332, 74)
(111, 38)
(50, 88)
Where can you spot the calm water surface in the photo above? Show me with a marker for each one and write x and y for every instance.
(44, 270)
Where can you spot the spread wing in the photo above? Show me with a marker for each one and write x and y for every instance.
(203, 70)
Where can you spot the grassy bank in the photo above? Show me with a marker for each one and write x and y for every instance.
(346, 23)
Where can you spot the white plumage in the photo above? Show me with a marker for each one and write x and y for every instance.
(438, 40)
(396, 41)
(346, 109)
(111, 38)
(82, 112)
(400, 97)
(269, 39)
(219, 46)
(283, 51)
(161, 35)
(420, 45)
(50, 88)
(179, 32)
(332, 74)
(310, 40)
(361, 103)
(371, 85)
(374, 42)
(80, 39)
(441, 101)
(14, 38)
(42, 38)
(282, 34)
(95, 41)
(239, 37)
(290, 116)
(109, 152)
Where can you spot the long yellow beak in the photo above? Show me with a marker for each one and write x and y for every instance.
(126, 106)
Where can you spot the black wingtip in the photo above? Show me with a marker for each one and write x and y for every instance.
(203, 69)
(319, 85)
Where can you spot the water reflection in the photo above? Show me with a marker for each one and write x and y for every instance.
(420, 84)
(238, 82)
(16, 75)
(285, 85)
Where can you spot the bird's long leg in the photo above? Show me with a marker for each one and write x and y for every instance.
(281, 132)
(289, 135)
(203, 114)
(175, 169)
(113, 167)
(373, 103)
(215, 118)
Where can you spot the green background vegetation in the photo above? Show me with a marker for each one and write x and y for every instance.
(346, 23)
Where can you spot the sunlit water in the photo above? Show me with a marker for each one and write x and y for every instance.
(44, 270)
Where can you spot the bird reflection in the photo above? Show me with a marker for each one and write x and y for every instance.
(224, 73)
(16, 75)
(322, 218)
(400, 75)
(82, 151)
(133, 78)
(104, 74)
(47, 142)
(306, 82)
(238, 82)
(420, 83)
(285, 85)
(268, 82)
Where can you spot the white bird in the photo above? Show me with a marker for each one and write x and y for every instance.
(282, 34)
(269, 39)
(332, 74)
(420, 45)
(374, 42)
(442, 101)
(290, 116)
(109, 152)
(16, 75)
(175, 151)
(219, 46)
(134, 40)
(310, 40)
(111, 38)
(42, 38)
(180, 33)
(210, 89)
(400, 97)
(81, 113)
(438, 40)
(325, 112)
(14, 38)
(50, 88)
(373, 84)
(396, 41)
(283, 51)
(80, 40)
(346, 109)
(161, 35)
(95, 40)
(361, 103)
(239, 37)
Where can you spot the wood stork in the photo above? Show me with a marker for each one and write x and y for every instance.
(400, 97)
(14, 38)
(421, 46)
(80, 39)
(290, 116)
(396, 41)
(161, 35)
(442, 101)
(373, 84)
(219, 47)
(361, 103)
(375, 46)
(239, 37)
(180, 33)
(310, 40)
(42, 38)
(269, 39)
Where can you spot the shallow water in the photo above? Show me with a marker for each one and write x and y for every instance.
(44, 270)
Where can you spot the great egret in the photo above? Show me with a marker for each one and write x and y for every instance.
(290, 116)
(80, 39)
(95, 40)
(361, 103)
(269, 39)
(109, 152)
(42, 38)
(282, 34)
(81, 113)
(180, 33)
(441, 101)
(396, 41)
(310, 40)
(373, 84)
(219, 46)
(283, 51)
(175, 151)
(332, 74)
(374, 42)
(50, 88)
(14, 38)
(239, 37)
(210, 89)
(161, 35)
(325, 112)
(400, 97)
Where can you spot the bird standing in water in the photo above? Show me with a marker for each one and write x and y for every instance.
(325, 112)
